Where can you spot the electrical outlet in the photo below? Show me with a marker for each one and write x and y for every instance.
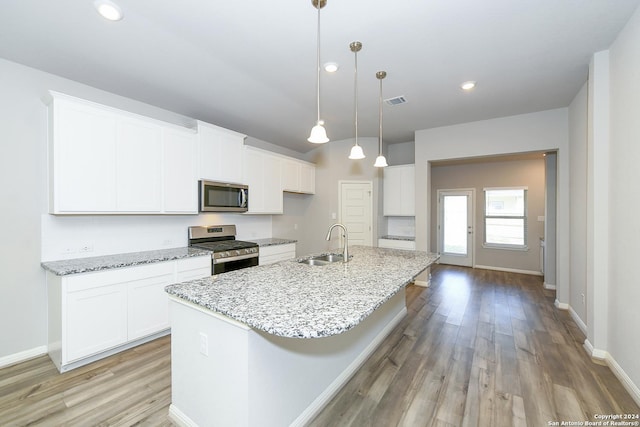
(167, 242)
(204, 344)
(295, 226)
(584, 299)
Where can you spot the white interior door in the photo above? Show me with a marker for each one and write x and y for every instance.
(455, 227)
(356, 211)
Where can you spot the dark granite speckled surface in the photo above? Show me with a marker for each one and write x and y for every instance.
(296, 300)
(107, 262)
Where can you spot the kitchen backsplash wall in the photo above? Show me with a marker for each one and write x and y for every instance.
(401, 226)
(86, 236)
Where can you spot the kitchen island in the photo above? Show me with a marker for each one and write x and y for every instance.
(270, 345)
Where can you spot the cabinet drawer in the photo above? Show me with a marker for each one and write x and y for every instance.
(96, 279)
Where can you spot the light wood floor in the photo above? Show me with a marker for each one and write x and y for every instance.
(478, 348)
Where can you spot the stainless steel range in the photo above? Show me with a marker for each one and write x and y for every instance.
(228, 253)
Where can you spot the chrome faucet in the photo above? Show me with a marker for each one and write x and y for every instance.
(345, 251)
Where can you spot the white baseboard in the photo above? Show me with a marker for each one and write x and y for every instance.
(179, 417)
(561, 305)
(617, 370)
(510, 270)
(423, 283)
(549, 286)
(633, 389)
(578, 320)
(12, 359)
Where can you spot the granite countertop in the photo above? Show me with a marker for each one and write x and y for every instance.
(296, 300)
(406, 238)
(272, 241)
(84, 265)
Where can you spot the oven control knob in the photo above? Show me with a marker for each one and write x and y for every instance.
(226, 253)
(237, 252)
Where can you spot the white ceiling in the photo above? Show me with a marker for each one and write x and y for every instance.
(250, 65)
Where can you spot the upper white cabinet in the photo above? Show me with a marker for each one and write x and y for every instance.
(219, 154)
(262, 173)
(180, 179)
(104, 160)
(399, 191)
(298, 176)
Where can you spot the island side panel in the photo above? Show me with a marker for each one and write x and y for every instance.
(307, 373)
(207, 389)
(254, 378)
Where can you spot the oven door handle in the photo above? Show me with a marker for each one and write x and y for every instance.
(234, 258)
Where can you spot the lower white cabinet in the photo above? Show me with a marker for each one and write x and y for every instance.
(93, 315)
(275, 253)
(397, 244)
(147, 304)
(193, 268)
(95, 320)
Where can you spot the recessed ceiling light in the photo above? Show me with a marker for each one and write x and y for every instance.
(468, 85)
(108, 9)
(331, 67)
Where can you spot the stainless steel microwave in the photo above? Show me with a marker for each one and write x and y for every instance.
(223, 197)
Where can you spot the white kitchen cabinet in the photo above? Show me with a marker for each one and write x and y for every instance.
(275, 253)
(263, 176)
(180, 180)
(193, 268)
(93, 315)
(399, 191)
(397, 244)
(108, 161)
(95, 320)
(138, 166)
(298, 176)
(219, 154)
(147, 304)
(82, 154)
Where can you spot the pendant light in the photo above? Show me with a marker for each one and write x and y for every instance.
(318, 133)
(356, 150)
(381, 161)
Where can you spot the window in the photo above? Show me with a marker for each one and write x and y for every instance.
(505, 218)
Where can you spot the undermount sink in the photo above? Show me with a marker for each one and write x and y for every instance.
(322, 259)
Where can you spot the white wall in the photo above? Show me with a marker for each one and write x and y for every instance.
(30, 234)
(402, 153)
(550, 226)
(578, 205)
(624, 288)
(528, 173)
(312, 214)
(542, 131)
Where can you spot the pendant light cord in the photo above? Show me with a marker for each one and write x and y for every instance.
(355, 92)
(318, 70)
(380, 112)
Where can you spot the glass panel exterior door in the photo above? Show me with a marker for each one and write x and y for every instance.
(455, 227)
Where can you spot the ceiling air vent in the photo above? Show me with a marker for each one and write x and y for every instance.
(396, 101)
